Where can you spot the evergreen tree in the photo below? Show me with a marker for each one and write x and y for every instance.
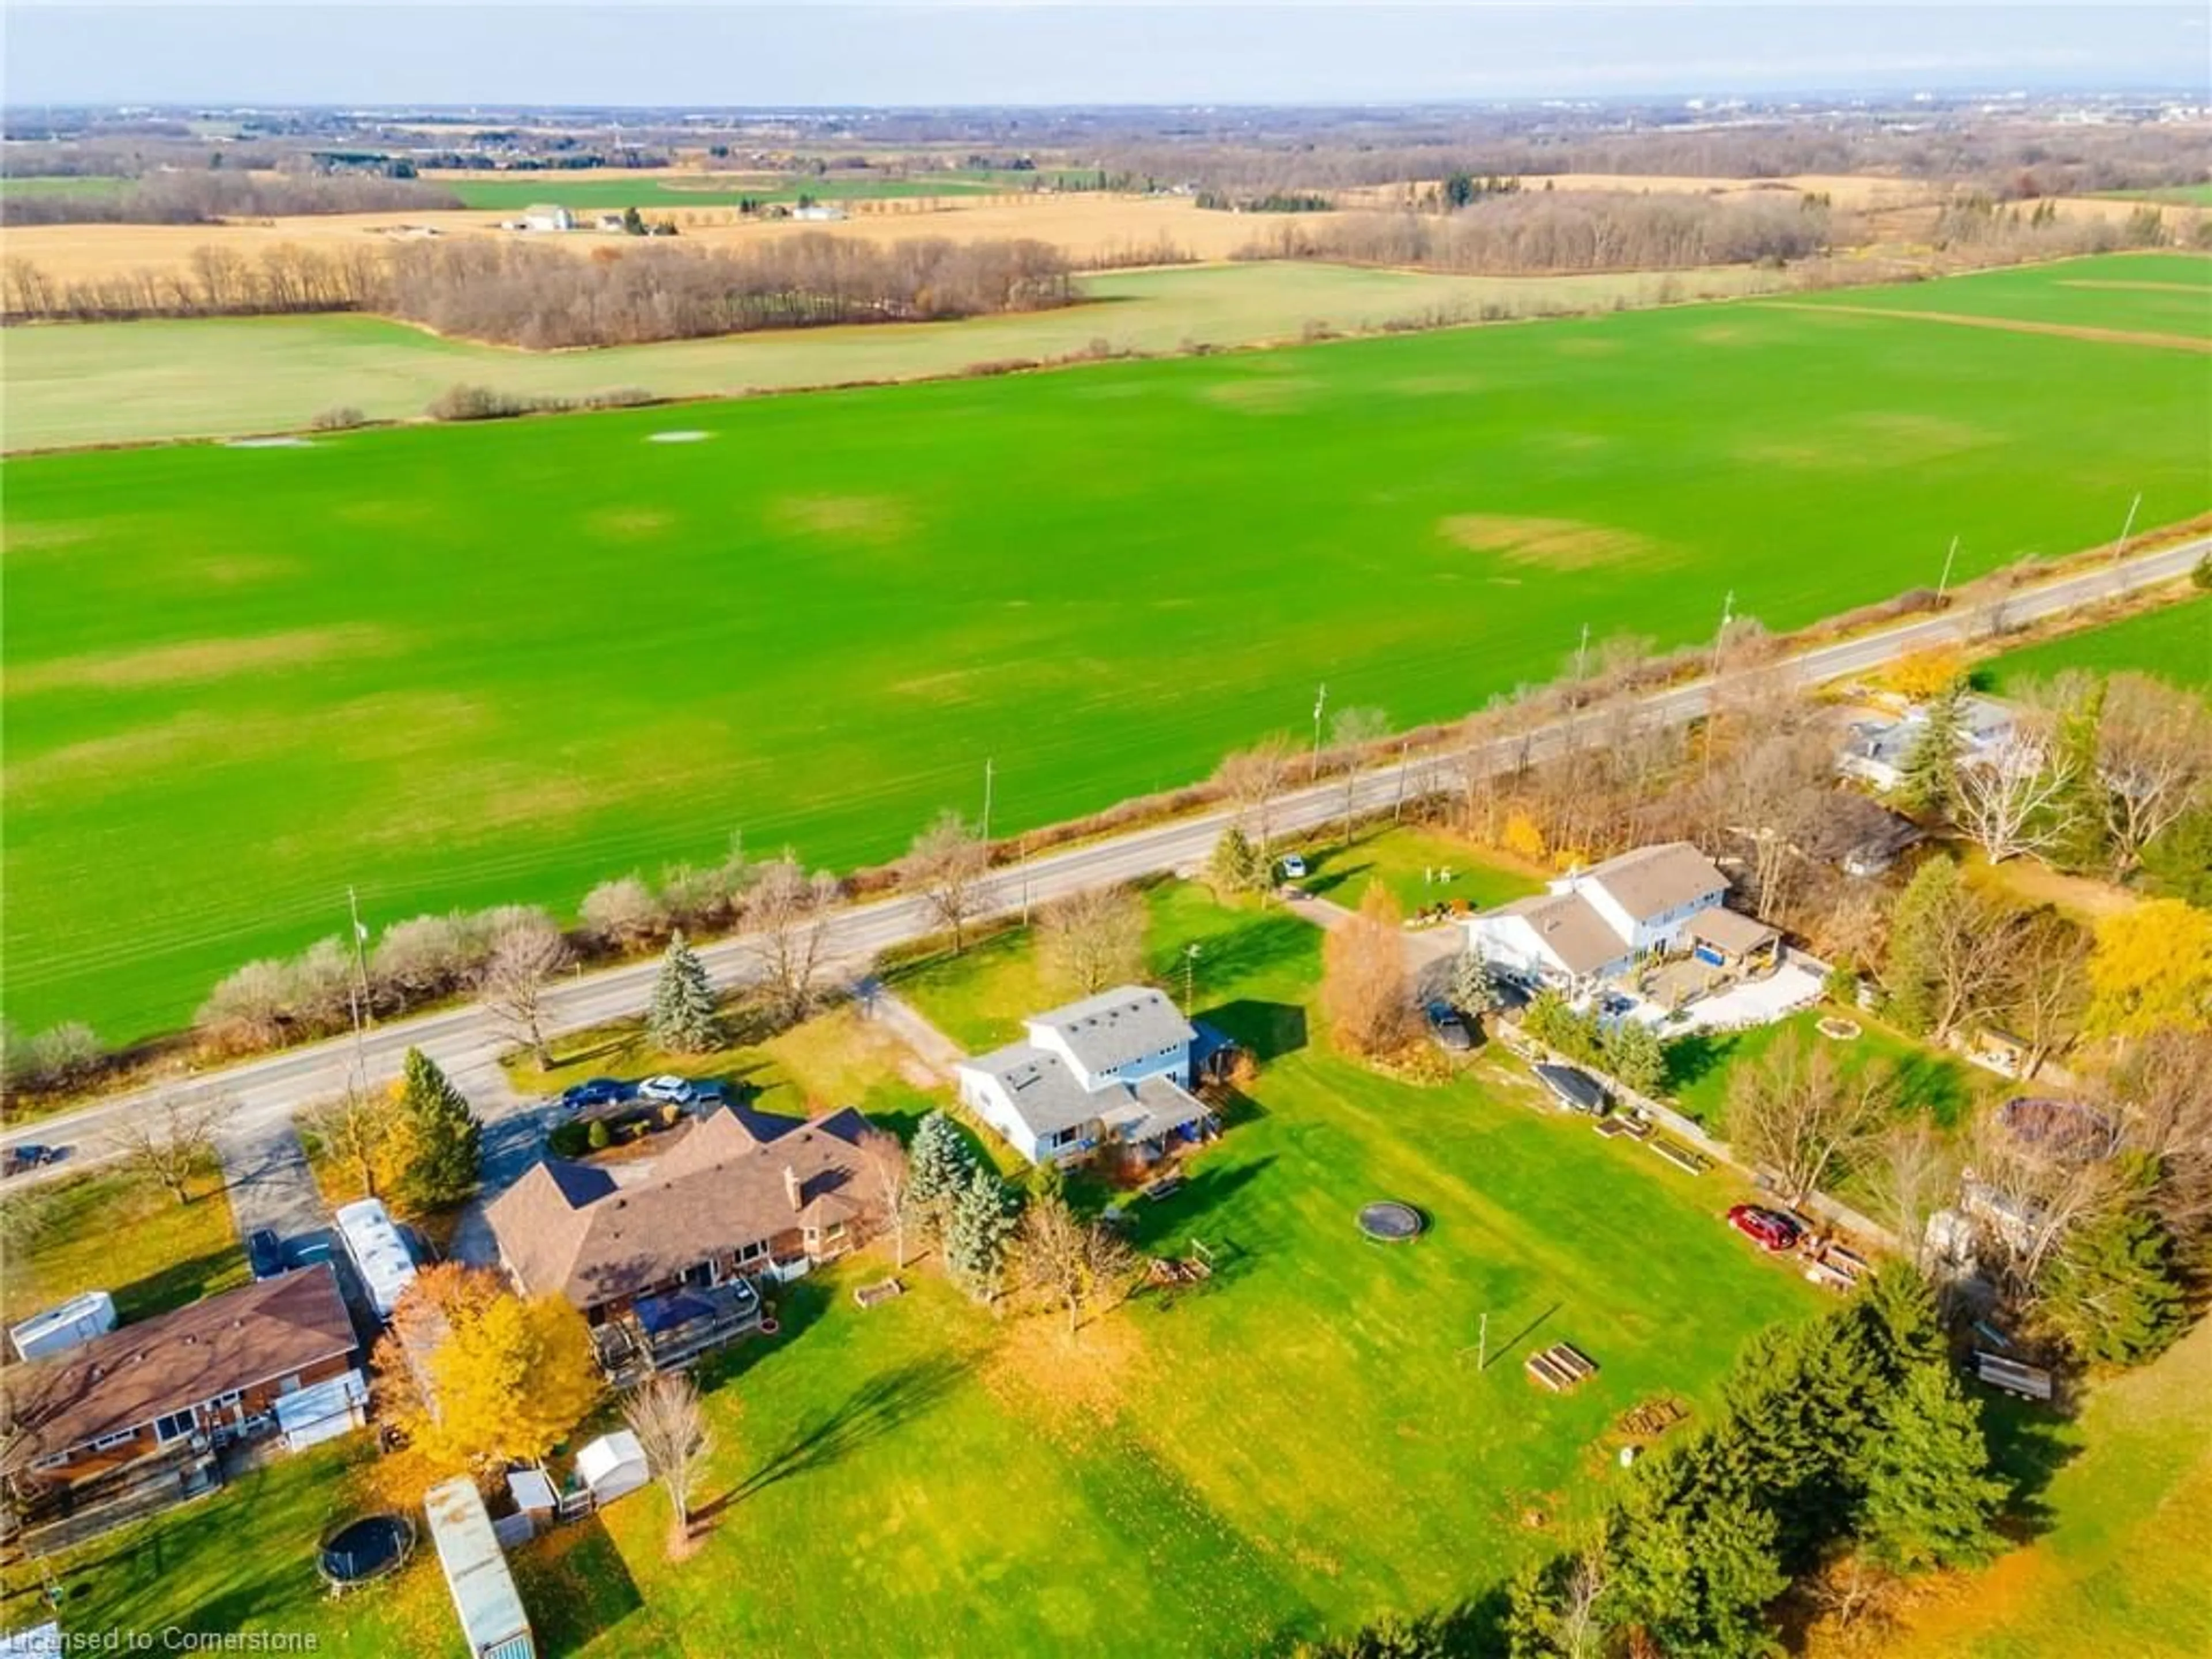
(2081, 806)
(1634, 1054)
(633, 222)
(1697, 1558)
(443, 1136)
(939, 1168)
(1237, 866)
(981, 1229)
(1930, 1499)
(1928, 781)
(2179, 861)
(1473, 988)
(1926, 914)
(1899, 1313)
(2110, 1293)
(682, 1016)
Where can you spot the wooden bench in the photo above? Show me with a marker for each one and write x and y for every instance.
(869, 1296)
(1682, 1157)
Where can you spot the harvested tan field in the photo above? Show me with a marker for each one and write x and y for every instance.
(2013, 325)
(1089, 229)
(1845, 190)
(1555, 543)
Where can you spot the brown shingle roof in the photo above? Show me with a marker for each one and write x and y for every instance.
(1652, 880)
(718, 1190)
(155, 1367)
(1572, 930)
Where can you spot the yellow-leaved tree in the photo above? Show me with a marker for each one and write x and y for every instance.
(2151, 971)
(475, 1376)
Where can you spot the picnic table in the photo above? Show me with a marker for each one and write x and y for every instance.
(1560, 1367)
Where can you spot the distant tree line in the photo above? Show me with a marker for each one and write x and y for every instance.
(208, 197)
(1566, 231)
(1273, 201)
(538, 297)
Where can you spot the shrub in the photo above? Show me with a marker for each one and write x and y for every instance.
(58, 1058)
(343, 418)
(477, 403)
(569, 1139)
(599, 1137)
(2201, 575)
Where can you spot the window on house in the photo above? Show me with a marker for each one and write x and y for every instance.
(753, 1251)
(222, 1399)
(109, 1442)
(175, 1426)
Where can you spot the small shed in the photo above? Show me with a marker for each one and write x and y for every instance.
(58, 1329)
(307, 1417)
(488, 1606)
(612, 1466)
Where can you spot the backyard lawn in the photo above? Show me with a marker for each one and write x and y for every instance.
(1938, 1085)
(1421, 865)
(1303, 1443)
(119, 1231)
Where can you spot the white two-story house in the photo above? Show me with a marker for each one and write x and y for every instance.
(1113, 1069)
(1592, 925)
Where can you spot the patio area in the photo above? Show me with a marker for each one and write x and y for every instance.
(1732, 1007)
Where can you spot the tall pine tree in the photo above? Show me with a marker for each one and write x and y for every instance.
(1929, 780)
(1236, 866)
(682, 1016)
(981, 1233)
(938, 1170)
(1930, 1499)
(2110, 1293)
(443, 1136)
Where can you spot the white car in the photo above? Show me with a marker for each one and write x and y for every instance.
(1294, 866)
(675, 1090)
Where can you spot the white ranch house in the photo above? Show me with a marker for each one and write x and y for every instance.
(1112, 1070)
(1595, 925)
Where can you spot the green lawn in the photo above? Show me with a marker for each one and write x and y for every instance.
(581, 190)
(2140, 293)
(1304, 1444)
(1414, 862)
(94, 185)
(2185, 195)
(2173, 643)
(1934, 1085)
(219, 377)
(457, 666)
(119, 1231)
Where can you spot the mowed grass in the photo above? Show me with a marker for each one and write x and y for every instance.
(1307, 1443)
(1928, 1085)
(462, 665)
(2172, 643)
(120, 1231)
(2136, 293)
(95, 383)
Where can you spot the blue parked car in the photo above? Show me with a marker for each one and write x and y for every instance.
(596, 1091)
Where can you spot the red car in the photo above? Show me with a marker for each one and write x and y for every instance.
(1768, 1229)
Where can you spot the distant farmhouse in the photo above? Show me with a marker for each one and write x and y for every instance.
(1593, 925)
(1112, 1070)
(1876, 751)
(663, 1267)
(547, 217)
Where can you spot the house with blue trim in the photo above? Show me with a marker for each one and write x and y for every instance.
(1111, 1072)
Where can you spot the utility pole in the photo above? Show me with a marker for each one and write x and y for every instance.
(1944, 586)
(1582, 654)
(1321, 700)
(359, 989)
(1713, 690)
(2120, 547)
(1189, 976)
(989, 770)
(1482, 1351)
(1404, 759)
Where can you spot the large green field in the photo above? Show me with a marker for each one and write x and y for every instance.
(2172, 643)
(922, 1477)
(459, 666)
(2140, 293)
(89, 383)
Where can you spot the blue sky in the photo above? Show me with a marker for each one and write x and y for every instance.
(923, 52)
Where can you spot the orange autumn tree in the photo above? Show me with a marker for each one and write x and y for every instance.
(1365, 990)
(475, 1376)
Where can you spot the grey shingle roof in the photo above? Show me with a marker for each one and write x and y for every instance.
(1570, 928)
(1117, 1026)
(1652, 880)
(1046, 1094)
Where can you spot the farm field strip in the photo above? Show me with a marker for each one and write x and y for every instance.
(466, 665)
(2149, 293)
(2172, 643)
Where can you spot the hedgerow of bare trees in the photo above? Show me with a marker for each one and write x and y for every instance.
(948, 864)
(787, 912)
(211, 195)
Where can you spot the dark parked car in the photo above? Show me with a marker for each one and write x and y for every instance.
(264, 1253)
(1450, 1031)
(28, 1156)
(597, 1091)
(1770, 1229)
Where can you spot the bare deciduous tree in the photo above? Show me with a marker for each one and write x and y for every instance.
(173, 1141)
(1797, 1112)
(623, 912)
(787, 913)
(666, 1415)
(1078, 1264)
(1366, 990)
(948, 864)
(2015, 800)
(2047, 984)
(524, 959)
(2161, 1096)
(884, 1157)
(1253, 778)
(1350, 733)
(2155, 753)
(2027, 1201)
(1091, 939)
(1917, 1173)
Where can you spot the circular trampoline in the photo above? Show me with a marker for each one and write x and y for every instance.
(1389, 1222)
(365, 1549)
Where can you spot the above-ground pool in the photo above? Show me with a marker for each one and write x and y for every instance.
(1391, 1222)
(365, 1549)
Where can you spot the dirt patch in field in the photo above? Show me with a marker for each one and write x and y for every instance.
(197, 660)
(2138, 287)
(1923, 436)
(1587, 345)
(2014, 325)
(1036, 1369)
(1436, 385)
(1278, 395)
(240, 569)
(42, 537)
(954, 685)
(629, 523)
(96, 760)
(876, 518)
(1555, 543)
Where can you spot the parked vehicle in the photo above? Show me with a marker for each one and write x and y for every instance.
(29, 1156)
(1448, 1028)
(264, 1253)
(710, 1092)
(1294, 866)
(1770, 1229)
(596, 1091)
(667, 1087)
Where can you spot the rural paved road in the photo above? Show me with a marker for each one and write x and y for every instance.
(465, 1041)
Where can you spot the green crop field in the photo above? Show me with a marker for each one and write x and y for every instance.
(2183, 195)
(2173, 643)
(461, 666)
(580, 190)
(93, 383)
(90, 183)
(2139, 293)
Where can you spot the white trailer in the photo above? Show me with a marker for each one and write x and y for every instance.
(379, 1254)
(76, 1321)
(492, 1622)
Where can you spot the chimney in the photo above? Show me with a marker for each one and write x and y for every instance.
(794, 1188)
